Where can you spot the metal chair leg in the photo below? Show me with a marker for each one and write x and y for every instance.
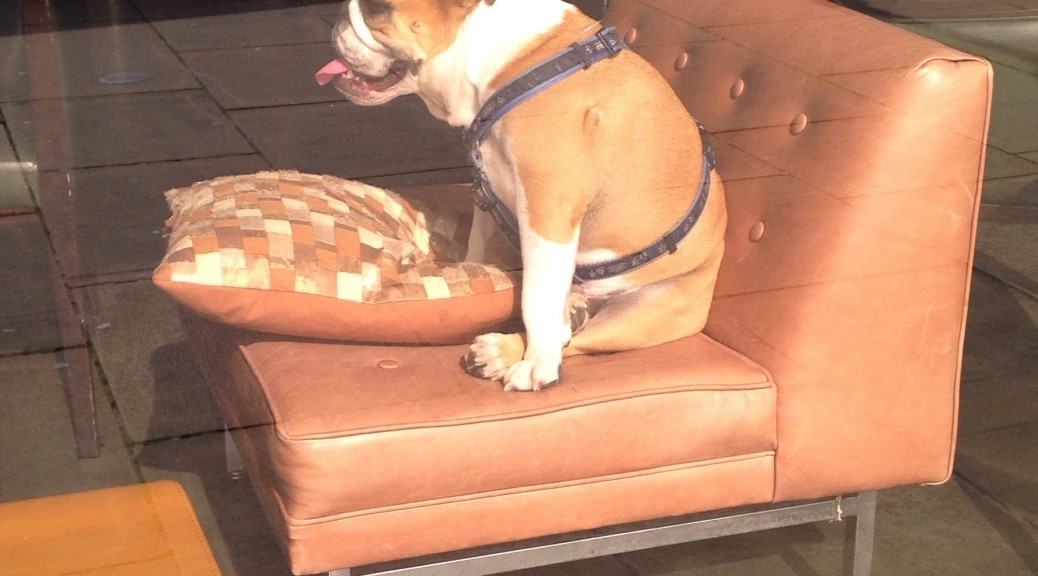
(858, 553)
(859, 511)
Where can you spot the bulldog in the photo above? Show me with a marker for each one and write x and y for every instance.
(593, 169)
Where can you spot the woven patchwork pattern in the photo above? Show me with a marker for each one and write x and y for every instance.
(319, 235)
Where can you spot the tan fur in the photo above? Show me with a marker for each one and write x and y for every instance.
(431, 26)
(610, 154)
(636, 167)
(626, 172)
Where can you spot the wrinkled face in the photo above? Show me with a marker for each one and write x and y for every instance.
(382, 45)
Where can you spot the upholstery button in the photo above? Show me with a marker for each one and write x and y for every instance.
(798, 125)
(757, 232)
(737, 89)
(631, 36)
(681, 62)
(389, 364)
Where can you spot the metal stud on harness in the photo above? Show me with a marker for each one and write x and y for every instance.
(579, 56)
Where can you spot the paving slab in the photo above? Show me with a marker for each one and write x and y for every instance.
(1008, 40)
(1018, 529)
(1002, 165)
(329, 11)
(66, 14)
(89, 61)
(35, 311)
(947, 530)
(991, 403)
(940, 10)
(38, 453)
(10, 18)
(1013, 122)
(351, 141)
(914, 528)
(1000, 331)
(1013, 127)
(1005, 245)
(1012, 85)
(1001, 462)
(464, 175)
(1016, 191)
(205, 26)
(63, 14)
(150, 369)
(15, 197)
(122, 129)
(233, 76)
(107, 224)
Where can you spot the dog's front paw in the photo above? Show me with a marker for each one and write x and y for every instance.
(500, 357)
(491, 355)
(531, 375)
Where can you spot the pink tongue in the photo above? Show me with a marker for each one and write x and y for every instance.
(331, 71)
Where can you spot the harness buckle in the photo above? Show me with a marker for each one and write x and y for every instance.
(607, 40)
(671, 243)
(584, 52)
(481, 197)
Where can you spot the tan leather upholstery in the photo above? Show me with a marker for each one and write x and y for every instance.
(852, 153)
(371, 445)
(854, 297)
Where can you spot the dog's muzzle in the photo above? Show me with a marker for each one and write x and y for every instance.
(341, 71)
(366, 71)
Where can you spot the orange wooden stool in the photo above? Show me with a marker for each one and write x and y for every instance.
(138, 529)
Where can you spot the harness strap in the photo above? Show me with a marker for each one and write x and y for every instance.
(668, 244)
(578, 56)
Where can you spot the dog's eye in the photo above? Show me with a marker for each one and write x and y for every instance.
(374, 8)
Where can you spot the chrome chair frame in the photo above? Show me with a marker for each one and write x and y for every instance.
(859, 510)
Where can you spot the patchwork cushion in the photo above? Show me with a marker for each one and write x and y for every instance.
(319, 256)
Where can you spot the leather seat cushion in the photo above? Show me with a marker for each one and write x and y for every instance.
(351, 428)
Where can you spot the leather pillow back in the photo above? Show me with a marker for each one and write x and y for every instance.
(322, 257)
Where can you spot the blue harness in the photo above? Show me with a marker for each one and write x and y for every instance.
(579, 56)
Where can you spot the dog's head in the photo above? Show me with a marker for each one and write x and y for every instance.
(382, 45)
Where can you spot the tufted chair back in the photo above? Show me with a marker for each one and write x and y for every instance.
(853, 167)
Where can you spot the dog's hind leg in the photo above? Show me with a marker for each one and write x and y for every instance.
(658, 313)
